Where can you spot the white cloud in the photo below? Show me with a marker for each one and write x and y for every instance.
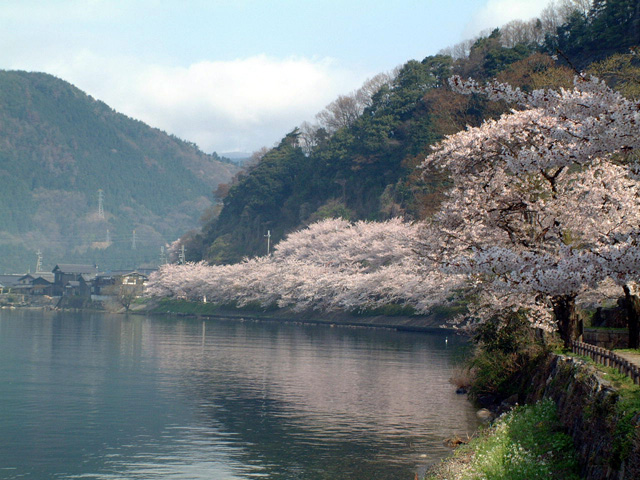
(224, 106)
(498, 12)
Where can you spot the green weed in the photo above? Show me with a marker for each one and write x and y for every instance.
(525, 444)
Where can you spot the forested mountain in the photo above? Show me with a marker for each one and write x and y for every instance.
(63, 155)
(358, 161)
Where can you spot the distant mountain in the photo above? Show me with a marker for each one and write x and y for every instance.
(77, 179)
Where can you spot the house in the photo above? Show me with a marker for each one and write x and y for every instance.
(134, 278)
(26, 280)
(80, 275)
(79, 288)
(23, 284)
(42, 284)
(111, 283)
(102, 285)
(9, 282)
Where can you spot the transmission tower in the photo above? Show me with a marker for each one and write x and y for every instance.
(163, 256)
(39, 261)
(181, 257)
(268, 237)
(100, 203)
(108, 240)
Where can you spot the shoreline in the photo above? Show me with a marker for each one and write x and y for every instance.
(433, 324)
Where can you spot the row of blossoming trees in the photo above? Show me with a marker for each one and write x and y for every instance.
(331, 265)
(543, 208)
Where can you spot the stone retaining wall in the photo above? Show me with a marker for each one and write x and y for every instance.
(588, 408)
(609, 338)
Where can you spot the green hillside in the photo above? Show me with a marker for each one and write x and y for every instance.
(359, 161)
(59, 147)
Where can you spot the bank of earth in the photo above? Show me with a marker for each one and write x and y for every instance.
(591, 428)
(393, 317)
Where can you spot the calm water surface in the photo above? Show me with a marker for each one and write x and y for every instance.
(96, 396)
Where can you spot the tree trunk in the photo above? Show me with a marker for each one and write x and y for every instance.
(632, 305)
(564, 308)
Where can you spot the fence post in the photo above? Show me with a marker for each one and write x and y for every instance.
(620, 367)
(607, 358)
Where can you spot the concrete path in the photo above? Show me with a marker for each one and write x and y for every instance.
(632, 357)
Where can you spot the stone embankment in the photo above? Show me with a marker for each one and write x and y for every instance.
(605, 429)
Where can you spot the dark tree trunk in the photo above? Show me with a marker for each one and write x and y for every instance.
(632, 305)
(564, 308)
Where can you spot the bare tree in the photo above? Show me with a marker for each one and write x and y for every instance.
(518, 31)
(371, 86)
(459, 50)
(346, 109)
(311, 135)
(340, 113)
(559, 11)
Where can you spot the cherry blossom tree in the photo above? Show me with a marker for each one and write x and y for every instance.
(540, 203)
(331, 265)
(543, 208)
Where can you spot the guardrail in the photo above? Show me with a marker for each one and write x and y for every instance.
(608, 359)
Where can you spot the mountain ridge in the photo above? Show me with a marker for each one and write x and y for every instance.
(359, 161)
(60, 146)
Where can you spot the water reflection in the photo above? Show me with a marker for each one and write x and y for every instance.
(99, 396)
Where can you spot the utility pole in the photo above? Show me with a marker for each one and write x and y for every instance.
(100, 203)
(39, 262)
(133, 241)
(268, 236)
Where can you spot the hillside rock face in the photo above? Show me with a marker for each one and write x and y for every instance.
(606, 436)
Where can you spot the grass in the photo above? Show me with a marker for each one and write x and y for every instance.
(626, 408)
(525, 444)
(635, 351)
(389, 310)
(185, 307)
(609, 329)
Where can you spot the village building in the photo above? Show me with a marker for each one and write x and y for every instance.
(78, 280)
(9, 282)
(73, 279)
(111, 283)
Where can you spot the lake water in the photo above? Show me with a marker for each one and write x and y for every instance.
(97, 396)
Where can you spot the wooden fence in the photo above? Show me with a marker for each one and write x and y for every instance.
(608, 359)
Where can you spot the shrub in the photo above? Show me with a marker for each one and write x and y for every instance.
(524, 444)
(508, 350)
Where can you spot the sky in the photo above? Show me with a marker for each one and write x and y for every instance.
(234, 75)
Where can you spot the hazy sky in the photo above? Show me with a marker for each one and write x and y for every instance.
(233, 75)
